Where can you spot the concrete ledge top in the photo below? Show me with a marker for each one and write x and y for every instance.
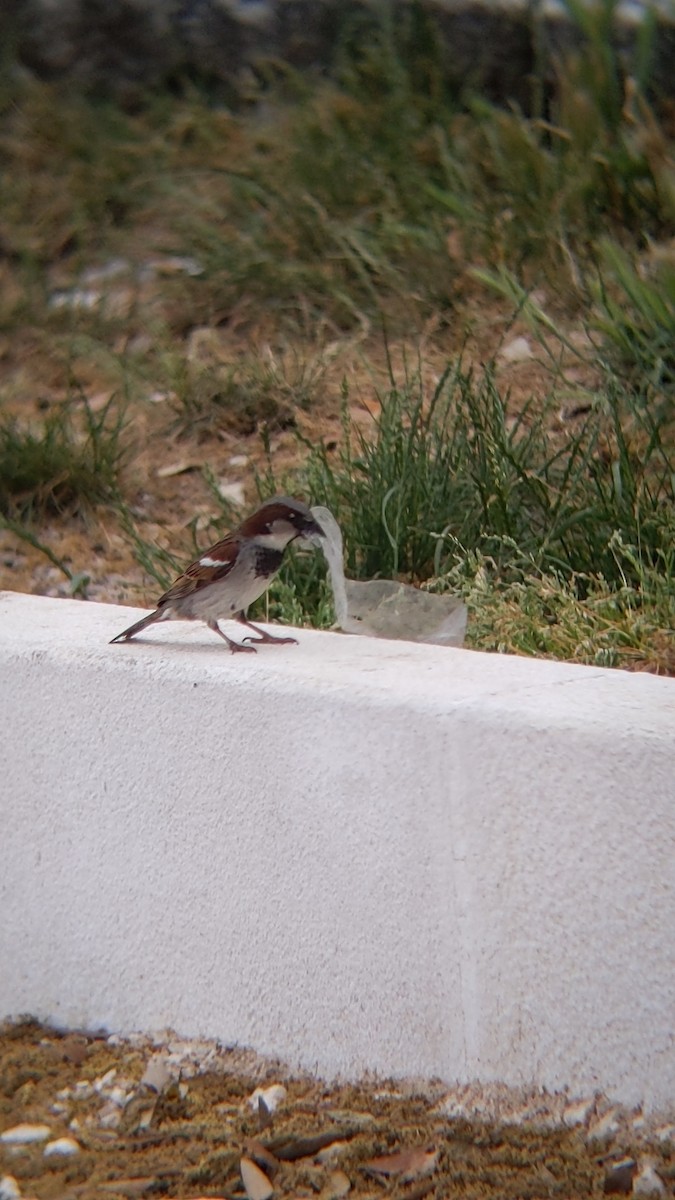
(378, 671)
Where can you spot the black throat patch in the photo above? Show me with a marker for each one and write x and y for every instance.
(267, 560)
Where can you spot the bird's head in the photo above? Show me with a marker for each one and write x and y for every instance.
(279, 521)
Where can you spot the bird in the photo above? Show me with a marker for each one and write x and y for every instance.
(230, 575)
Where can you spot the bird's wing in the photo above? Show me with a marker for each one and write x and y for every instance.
(213, 565)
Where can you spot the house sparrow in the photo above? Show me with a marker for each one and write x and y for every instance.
(236, 571)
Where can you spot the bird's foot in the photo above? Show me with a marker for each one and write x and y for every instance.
(269, 640)
(235, 647)
(264, 638)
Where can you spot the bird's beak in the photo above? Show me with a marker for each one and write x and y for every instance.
(313, 532)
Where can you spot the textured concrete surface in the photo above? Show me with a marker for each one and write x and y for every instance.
(354, 854)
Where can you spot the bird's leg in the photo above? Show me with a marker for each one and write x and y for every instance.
(265, 638)
(234, 646)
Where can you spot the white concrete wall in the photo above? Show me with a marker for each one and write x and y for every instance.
(356, 855)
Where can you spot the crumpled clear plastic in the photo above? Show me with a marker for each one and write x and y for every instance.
(385, 608)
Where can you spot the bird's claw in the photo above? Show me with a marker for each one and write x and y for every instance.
(270, 640)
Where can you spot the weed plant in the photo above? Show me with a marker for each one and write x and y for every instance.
(451, 492)
(637, 318)
(455, 470)
(66, 465)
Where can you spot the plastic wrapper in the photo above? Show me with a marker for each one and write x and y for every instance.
(385, 608)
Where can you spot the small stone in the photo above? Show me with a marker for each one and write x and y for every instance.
(578, 1112)
(232, 491)
(9, 1188)
(619, 1180)
(271, 1097)
(77, 298)
(156, 1075)
(337, 1186)
(647, 1182)
(109, 1116)
(177, 468)
(529, 1114)
(23, 1135)
(256, 1183)
(96, 403)
(238, 460)
(110, 270)
(64, 1146)
(139, 1110)
(331, 1152)
(604, 1126)
(104, 1081)
(519, 350)
(175, 264)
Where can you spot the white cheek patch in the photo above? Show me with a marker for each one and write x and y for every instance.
(277, 539)
(211, 562)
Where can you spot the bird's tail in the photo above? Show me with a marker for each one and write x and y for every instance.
(134, 629)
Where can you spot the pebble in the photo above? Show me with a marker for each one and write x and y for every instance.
(530, 1114)
(109, 1116)
(232, 491)
(175, 264)
(336, 1186)
(137, 1040)
(104, 1081)
(619, 1179)
(519, 350)
(9, 1188)
(86, 298)
(156, 1075)
(23, 1135)
(647, 1182)
(110, 270)
(64, 1146)
(271, 1097)
(331, 1152)
(604, 1126)
(578, 1112)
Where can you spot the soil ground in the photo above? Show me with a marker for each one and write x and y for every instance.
(175, 1118)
